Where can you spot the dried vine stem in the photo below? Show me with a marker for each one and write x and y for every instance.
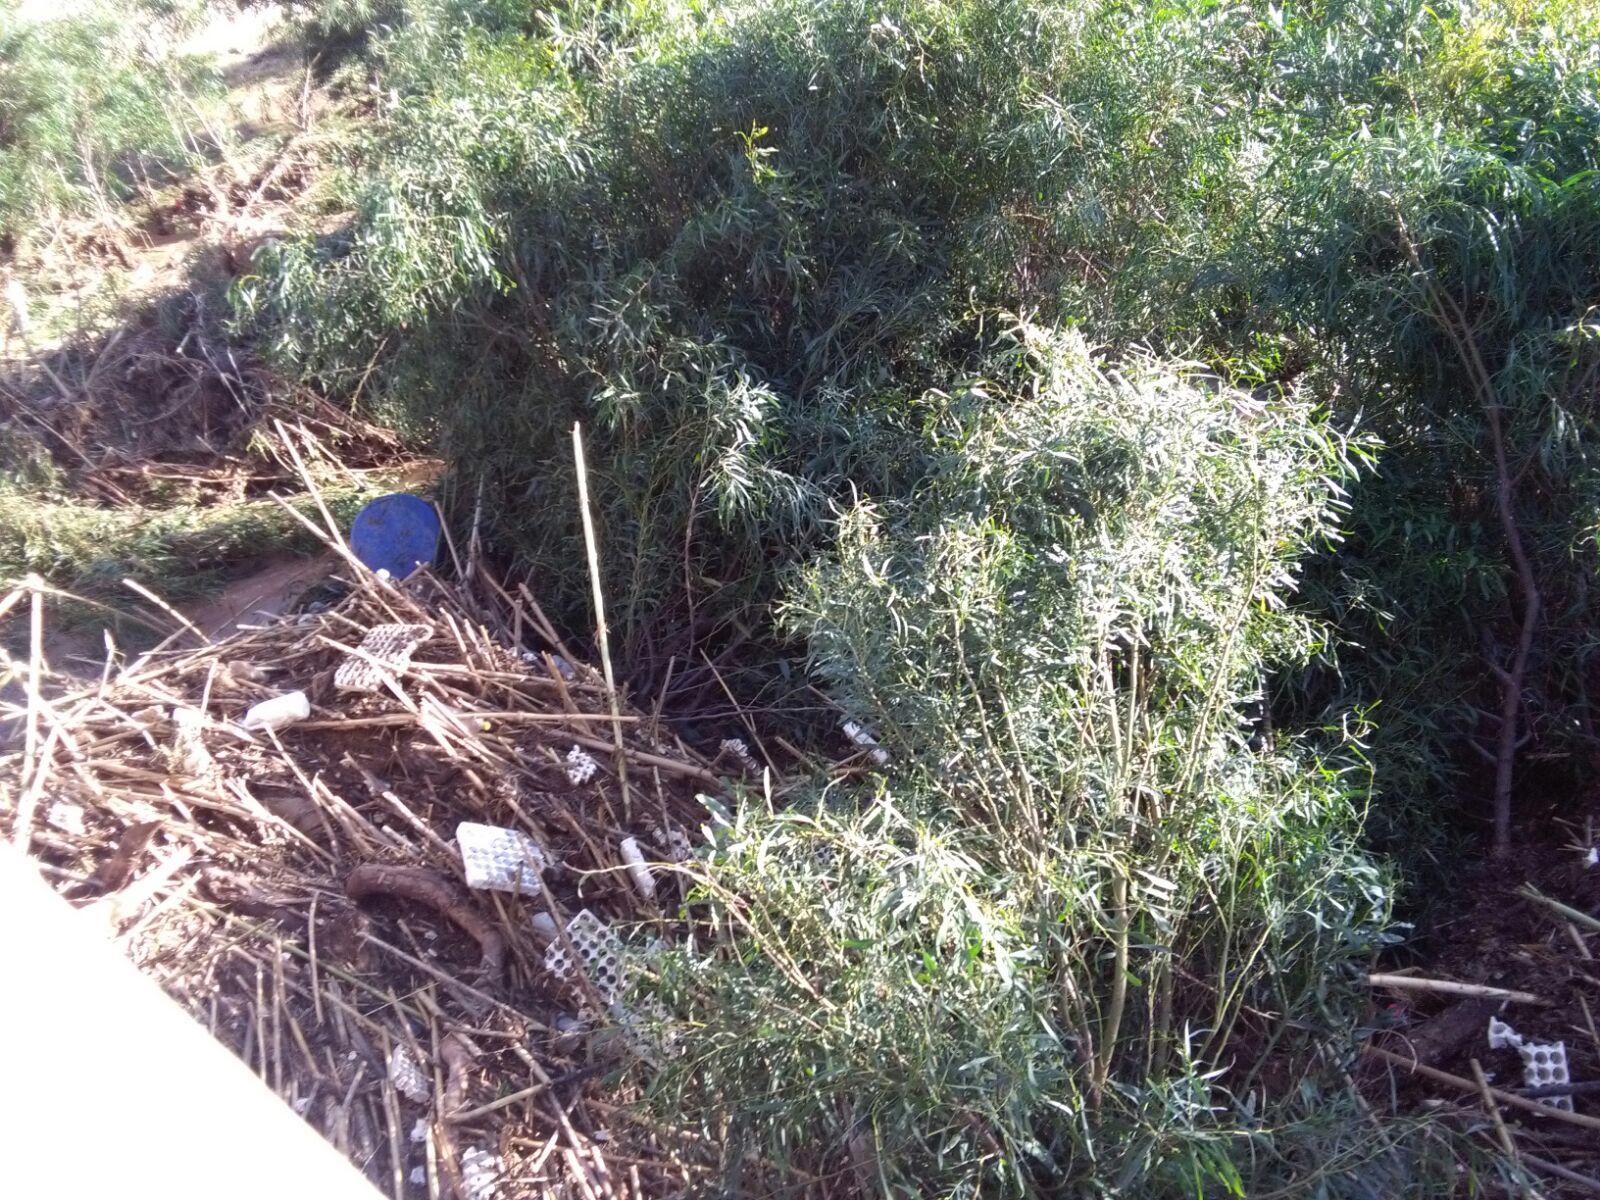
(1452, 319)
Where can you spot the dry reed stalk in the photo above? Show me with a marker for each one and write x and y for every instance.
(593, 552)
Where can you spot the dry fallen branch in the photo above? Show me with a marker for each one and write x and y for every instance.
(1467, 1085)
(1415, 983)
(431, 888)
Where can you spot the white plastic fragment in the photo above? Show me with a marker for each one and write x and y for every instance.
(740, 751)
(580, 766)
(407, 1075)
(643, 882)
(504, 860)
(544, 927)
(391, 645)
(419, 1131)
(600, 951)
(563, 667)
(480, 1173)
(1544, 1064)
(858, 734)
(277, 712)
(675, 844)
(66, 817)
(189, 754)
(418, 1176)
(1592, 859)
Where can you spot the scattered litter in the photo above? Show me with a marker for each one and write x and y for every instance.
(390, 645)
(277, 712)
(1592, 859)
(675, 844)
(569, 1033)
(385, 862)
(534, 658)
(504, 860)
(1544, 1064)
(644, 883)
(148, 718)
(189, 753)
(740, 751)
(544, 926)
(407, 1075)
(480, 1173)
(66, 817)
(418, 1176)
(858, 734)
(580, 767)
(419, 1131)
(600, 950)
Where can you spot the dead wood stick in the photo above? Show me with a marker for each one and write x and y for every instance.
(133, 585)
(654, 760)
(593, 549)
(1587, 1182)
(1416, 983)
(1507, 1144)
(508, 718)
(1466, 1085)
(22, 835)
(1528, 892)
(431, 888)
(1577, 1088)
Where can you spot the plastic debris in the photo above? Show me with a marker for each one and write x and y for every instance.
(675, 844)
(1592, 859)
(68, 818)
(544, 927)
(740, 751)
(858, 734)
(1544, 1064)
(480, 1173)
(643, 882)
(563, 668)
(396, 533)
(569, 1033)
(503, 860)
(419, 1131)
(189, 754)
(391, 645)
(407, 1075)
(580, 766)
(418, 1176)
(600, 950)
(277, 712)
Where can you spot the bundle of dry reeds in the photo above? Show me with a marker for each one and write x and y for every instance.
(300, 890)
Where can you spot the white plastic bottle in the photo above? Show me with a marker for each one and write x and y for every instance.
(277, 712)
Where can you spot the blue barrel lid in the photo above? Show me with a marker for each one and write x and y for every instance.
(396, 533)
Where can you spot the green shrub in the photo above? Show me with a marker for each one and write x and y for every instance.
(1056, 948)
(92, 107)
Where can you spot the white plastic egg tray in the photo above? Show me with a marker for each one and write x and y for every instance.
(391, 645)
(502, 860)
(1544, 1064)
(598, 947)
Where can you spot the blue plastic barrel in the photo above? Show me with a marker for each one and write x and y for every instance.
(396, 533)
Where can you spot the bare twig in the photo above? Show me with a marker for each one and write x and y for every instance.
(1415, 983)
(1466, 1085)
(600, 615)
